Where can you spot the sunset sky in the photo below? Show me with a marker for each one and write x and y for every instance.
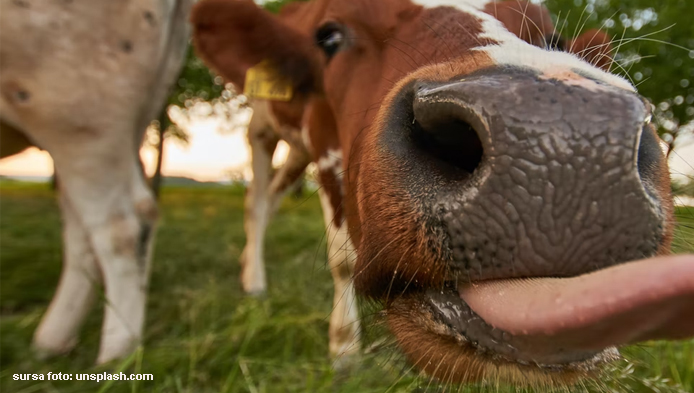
(212, 154)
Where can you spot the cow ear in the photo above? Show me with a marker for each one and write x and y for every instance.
(594, 46)
(232, 36)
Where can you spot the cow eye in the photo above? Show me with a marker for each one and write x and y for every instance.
(330, 37)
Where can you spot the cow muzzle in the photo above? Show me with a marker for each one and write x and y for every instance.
(555, 185)
(532, 189)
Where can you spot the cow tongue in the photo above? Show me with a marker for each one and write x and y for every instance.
(628, 303)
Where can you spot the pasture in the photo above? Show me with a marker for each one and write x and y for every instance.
(203, 335)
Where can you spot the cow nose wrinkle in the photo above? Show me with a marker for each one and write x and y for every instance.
(447, 129)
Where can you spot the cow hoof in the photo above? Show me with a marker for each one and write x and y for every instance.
(253, 285)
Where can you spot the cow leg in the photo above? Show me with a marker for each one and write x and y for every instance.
(344, 319)
(262, 201)
(263, 142)
(109, 218)
(126, 276)
(344, 330)
(76, 291)
(290, 172)
(119, 217)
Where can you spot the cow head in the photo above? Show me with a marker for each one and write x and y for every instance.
(498, 192)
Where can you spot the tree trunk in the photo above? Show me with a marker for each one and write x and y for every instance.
(164, 123)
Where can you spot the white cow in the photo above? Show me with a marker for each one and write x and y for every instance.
(82, 79)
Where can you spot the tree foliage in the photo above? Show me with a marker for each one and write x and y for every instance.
(683, 188)
(654, 45)
(195, 81)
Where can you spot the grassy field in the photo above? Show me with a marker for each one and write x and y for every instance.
(203, 335)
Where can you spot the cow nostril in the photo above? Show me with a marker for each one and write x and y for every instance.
(448, 126)
(452, 141)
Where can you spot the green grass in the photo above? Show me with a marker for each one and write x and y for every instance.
(203, 335)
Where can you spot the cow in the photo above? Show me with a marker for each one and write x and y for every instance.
(509, 204)
(82, 80)
(271, 122)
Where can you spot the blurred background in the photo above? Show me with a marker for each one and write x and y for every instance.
(202, 334)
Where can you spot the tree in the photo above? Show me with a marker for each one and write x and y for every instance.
(159, 130)
(196, 82)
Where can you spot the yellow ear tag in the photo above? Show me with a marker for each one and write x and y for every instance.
(264, 82)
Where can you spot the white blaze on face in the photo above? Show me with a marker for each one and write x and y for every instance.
(513, 51)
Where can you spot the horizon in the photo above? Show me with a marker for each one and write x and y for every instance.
(218, 151)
